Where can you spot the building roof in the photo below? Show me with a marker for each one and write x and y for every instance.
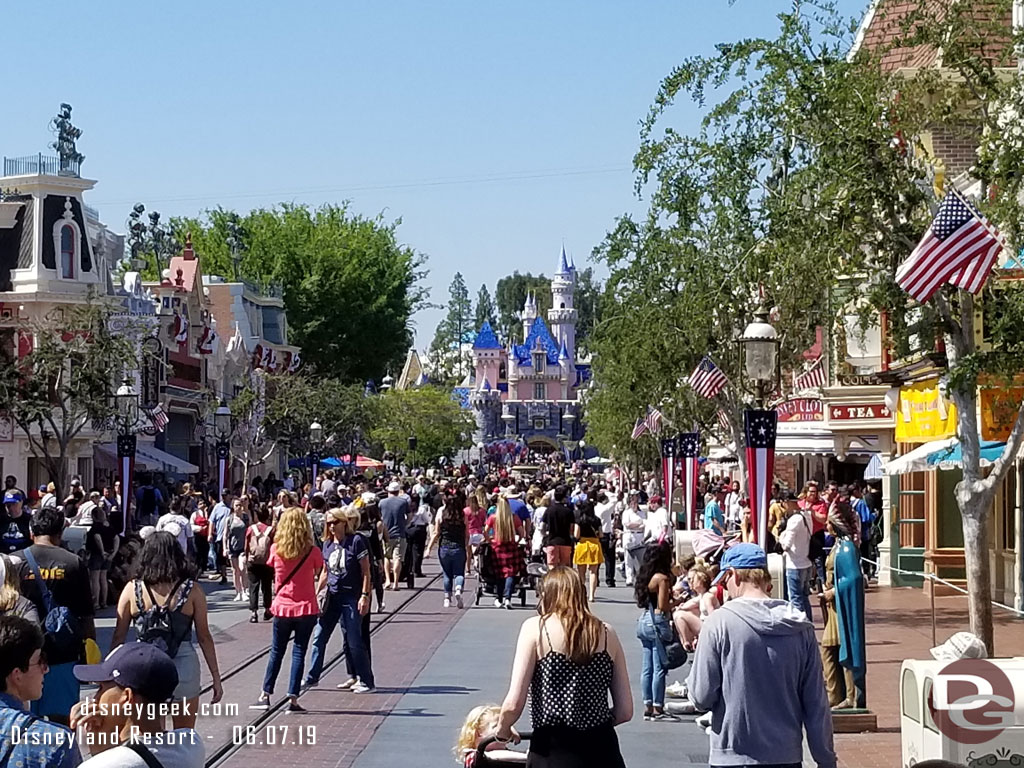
(563, 264)
(539, 336)
(563, 353)
(486, 338)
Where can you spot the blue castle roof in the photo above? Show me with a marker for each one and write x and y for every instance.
(539, 333)
(486, 338)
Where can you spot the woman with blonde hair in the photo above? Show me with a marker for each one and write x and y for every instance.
(502, 531)
(12, 602)
(568, 662)
(296, 561)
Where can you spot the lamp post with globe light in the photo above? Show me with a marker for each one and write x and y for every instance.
(760, 347)
(316, 436)
(127, 402)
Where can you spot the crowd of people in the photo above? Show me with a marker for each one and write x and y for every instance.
(310, 559)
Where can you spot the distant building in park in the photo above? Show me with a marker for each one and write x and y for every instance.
(529, 391)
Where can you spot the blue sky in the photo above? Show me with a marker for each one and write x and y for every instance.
(495, 130)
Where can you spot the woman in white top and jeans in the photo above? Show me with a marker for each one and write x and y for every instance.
(634, 521)
(795, 540)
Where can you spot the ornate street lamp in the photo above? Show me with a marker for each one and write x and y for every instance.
(126, 400)
(316, 436)
(222, 425)
(760, 345)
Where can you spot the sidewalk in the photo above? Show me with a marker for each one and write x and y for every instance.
(899, 626)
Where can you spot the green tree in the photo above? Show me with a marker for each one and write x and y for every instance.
(588, 299)
(510, 296)
(485, 310)
(350, 288)
(63, 388)
(448, 354)
(430, 414)
(808, 182)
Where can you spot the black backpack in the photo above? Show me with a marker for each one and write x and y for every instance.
(154, 625)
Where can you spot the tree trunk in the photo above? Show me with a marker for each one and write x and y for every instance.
(974, 509)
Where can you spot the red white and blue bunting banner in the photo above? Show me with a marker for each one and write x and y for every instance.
(688, 451)
(207, 343)
(760, 428)
(668, 472)
(179, 329)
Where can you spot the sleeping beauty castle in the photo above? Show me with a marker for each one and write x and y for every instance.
(528, 393)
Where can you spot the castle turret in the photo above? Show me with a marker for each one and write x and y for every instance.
(562, 315)
(529, 314)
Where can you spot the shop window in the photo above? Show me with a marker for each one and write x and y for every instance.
(1007, 503)
(67, 252)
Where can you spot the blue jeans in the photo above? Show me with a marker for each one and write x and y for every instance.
(342, 608)
(654, 664)
(453, 565)
(284, 628)
(510, 582)
(798, 585)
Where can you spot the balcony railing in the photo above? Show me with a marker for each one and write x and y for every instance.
(39, 165)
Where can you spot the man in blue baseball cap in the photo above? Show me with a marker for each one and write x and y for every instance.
(125, 720)
(760, 709)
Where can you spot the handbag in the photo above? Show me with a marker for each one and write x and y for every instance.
(672, 650)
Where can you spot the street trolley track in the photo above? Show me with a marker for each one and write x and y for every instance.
(222, 753)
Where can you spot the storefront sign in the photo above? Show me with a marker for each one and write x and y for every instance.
(800, 409)
(859, 380)
(924, 414)
(999, 409)
(858, 412)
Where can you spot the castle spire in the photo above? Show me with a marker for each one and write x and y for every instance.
(563, 264)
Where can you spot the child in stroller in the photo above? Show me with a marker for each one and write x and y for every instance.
(475, 740)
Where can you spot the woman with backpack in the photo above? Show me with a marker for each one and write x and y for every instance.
(258, 539)
(164, 606)
(296, 562)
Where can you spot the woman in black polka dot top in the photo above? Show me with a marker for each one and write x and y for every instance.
(569, 663)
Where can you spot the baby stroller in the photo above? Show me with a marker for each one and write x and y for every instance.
(489, 582)
(709, 545)
(504, 756)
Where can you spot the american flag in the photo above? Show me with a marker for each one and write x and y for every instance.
(960, 248)
(653, 420)
(159, 417)
(812, 379)
(707, 380)
(723, 422)
(639, 429)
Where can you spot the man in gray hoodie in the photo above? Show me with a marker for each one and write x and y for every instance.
(757, 670)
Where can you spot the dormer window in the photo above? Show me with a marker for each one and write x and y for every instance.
(67, 252)
(538, 362)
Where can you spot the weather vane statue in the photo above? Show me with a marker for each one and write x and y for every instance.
(67, 134)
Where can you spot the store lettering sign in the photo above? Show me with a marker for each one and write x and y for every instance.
(801, 409)
(859, 412)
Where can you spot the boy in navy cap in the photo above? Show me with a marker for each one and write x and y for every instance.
(126, 718)
(760, 709)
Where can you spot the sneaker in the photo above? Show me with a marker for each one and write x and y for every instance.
(263, 702)
(507, 605)
(245, 595)
(704, 721)
(381, 608)
(447, 602)
(458, 600)
(648, 715)
(238, 597)
(309, 684)
(347, 684)
(294, 706)
(497, 602)
(267, 615)
(361, 688)
(254, 619)
(664, 717)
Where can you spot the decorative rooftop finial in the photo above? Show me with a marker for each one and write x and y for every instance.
(188, 254)
(67, 134)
